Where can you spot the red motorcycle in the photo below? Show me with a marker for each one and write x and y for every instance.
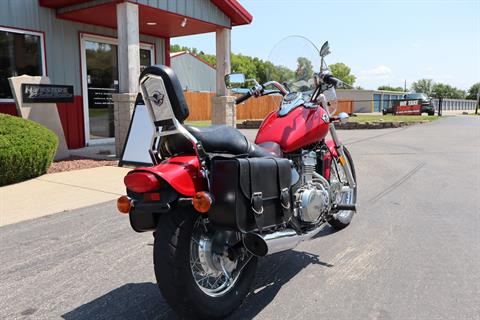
(217, 202)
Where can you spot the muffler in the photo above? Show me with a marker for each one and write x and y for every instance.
(262, 245)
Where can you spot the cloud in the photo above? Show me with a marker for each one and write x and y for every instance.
(377, 72)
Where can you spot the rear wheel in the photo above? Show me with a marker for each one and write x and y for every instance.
(198, 274)
(346, 194)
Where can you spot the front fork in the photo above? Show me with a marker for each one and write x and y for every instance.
(341, 155)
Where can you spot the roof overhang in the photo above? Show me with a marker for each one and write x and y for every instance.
(152, 21)
(233, 9)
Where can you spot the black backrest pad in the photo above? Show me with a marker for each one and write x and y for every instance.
(173, 87)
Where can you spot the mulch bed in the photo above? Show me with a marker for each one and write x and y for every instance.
(76, 163)
(255, 124)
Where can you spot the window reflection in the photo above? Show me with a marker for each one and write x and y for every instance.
(19, 54)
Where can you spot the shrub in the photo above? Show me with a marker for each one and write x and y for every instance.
(26, 149)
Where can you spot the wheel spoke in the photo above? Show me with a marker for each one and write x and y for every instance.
(214, 274)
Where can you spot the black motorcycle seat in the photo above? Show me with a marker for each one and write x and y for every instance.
(226, 139)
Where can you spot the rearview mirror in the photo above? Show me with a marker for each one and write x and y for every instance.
(235, 80)
(325, 50)
(343, 117)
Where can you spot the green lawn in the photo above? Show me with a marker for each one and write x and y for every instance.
(391, 118)
(203, 123)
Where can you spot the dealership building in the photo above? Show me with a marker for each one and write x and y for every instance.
(100, 47)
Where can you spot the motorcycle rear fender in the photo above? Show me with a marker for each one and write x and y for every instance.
(182, 173)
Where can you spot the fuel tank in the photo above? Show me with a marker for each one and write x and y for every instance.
(300, 127)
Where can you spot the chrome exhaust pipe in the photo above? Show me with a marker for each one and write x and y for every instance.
(263, 245)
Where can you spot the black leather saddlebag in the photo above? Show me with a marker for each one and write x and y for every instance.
(251, 194)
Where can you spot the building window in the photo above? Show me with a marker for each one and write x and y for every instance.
(21, 52)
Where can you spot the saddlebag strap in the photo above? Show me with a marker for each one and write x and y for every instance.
(284, 181)
(256, 195)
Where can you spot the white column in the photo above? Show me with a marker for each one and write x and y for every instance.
(128, 47)
(223, 49)
(128, 70)
(223, 106)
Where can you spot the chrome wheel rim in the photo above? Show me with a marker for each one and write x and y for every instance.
(345, 194)
(214, 274)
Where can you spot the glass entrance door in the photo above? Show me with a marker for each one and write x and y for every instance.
(102, 81)
(377, 102)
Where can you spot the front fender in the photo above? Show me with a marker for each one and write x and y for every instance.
(327, 160)
(181, 172)
(331, 146)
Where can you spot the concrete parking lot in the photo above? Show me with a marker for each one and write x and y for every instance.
(412, 251)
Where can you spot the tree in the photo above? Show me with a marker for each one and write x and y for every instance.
(253, 68)
(473, 92)
(342, 72)
(244, 64)
(304, 69)
(447, 91)
(423, 86)
(388, 88)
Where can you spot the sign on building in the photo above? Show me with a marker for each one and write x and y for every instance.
(42, 93)
(45, 113)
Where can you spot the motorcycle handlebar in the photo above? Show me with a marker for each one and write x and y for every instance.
(241, 99)
(331, 80)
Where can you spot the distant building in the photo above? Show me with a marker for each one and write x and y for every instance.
(369, 100)
(194, 73)
(365, 101)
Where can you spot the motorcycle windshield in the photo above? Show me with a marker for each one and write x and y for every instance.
(294, 60)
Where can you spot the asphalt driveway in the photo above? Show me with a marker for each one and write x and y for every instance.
(412, 251)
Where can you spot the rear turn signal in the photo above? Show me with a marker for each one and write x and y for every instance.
(202, 201)
(124, 204)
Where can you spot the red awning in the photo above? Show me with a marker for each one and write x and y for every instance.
(152, 21)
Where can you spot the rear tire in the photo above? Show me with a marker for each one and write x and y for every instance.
(341, 222)
(171, 254)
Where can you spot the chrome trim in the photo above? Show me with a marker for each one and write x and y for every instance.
(277, 85)
(286, 239)
(291, 103)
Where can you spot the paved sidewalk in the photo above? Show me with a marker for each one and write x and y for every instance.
(57, 192)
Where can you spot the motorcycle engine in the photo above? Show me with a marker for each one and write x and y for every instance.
(312, 198)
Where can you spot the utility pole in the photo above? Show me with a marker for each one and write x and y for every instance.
(440, 102)
(405, 86)
(478, 102)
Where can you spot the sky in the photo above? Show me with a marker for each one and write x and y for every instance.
(383, 42)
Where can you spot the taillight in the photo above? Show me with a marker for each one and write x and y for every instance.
(141, 182)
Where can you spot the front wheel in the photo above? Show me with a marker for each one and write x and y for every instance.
(346, 194)
(201, 273)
